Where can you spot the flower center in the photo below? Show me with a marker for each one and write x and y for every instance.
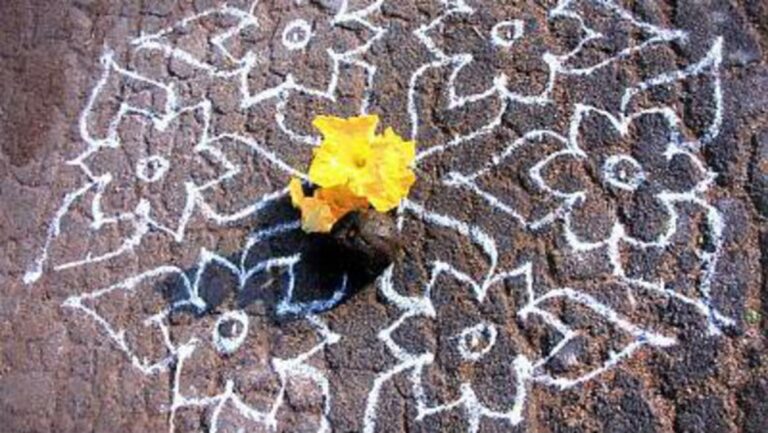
(230, 331)
(505, 33)
(476, 341)
(152, 168)
(360, 161)
(623, 172)
(296, 34)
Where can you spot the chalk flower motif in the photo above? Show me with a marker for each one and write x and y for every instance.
(319, 37)
(471, 340)
(263, 45)
(377, 167)
(517, 49)
(251, 373)
(511, 48)
(258, 374)
(476, 361)
(233, 367)
(154, 168)
(620, 176)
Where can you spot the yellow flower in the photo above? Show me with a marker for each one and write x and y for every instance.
(326, 206)
(376, 167)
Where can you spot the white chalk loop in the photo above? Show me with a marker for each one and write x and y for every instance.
(230, 331)
(476, 341)
(505, 33)
(297, 34)
(623, 172)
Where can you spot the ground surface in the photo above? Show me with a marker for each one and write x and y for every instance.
(585, 248)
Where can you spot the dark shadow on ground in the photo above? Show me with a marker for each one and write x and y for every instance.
(284, 273)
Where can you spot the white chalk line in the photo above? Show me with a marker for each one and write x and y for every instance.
(142, 217)
(556, 64)
(533, 372)
(178, 352)
(528, 372)
(243, 66)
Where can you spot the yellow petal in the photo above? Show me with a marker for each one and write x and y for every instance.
(337, 165)
(341, 200)
(339, 129)
(316, 216)
(296, 191)
(391, 171)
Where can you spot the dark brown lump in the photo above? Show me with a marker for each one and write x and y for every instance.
(362, 244)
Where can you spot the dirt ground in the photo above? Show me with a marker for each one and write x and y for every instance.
(585, 248)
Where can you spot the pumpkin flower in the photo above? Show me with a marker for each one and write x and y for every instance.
(326, 206)
(373, 166)
(354, 168)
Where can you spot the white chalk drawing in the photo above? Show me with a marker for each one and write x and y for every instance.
(505, 33)
(641, 153)
(673, 146)
(294, 38)
(523, 369)
(224, 336)
(503, 36)
(151, 168)
(229, 398)
(630, 169)
(471, 345)
(223, 63)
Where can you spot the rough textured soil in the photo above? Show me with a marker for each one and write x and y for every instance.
(585, 249)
